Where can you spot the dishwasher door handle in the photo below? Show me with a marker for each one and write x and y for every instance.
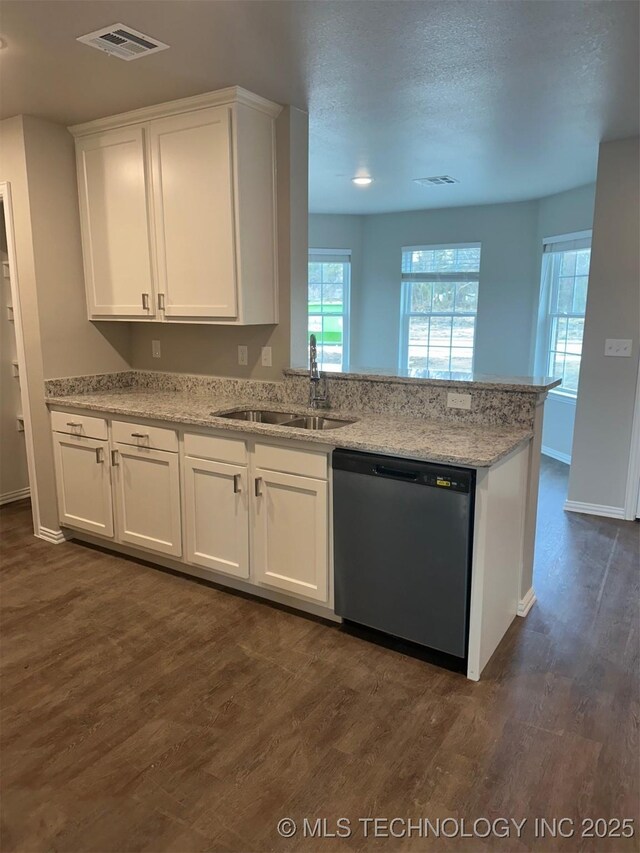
(397, 473)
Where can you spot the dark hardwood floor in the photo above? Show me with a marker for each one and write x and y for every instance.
(145, 711)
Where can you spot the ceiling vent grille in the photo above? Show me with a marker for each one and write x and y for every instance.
(436, 181)
(123, 42)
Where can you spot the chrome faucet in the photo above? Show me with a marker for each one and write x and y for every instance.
(316, 399)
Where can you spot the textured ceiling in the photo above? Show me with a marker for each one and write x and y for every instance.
(511, 98)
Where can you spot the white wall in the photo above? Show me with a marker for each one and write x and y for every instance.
(37, 159)
(508, 281)
(564, 213)
(604, 414)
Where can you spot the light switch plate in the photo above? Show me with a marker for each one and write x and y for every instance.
(620, 347)
(243, 355)
(266, 356)
(458, 401)
(155, 349)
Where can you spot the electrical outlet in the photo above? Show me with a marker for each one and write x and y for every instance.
(458, 401)
(155, 349)
(243, 355)
(266, 356)
(620, 347)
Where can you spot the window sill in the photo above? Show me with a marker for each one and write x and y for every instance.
(563, 397)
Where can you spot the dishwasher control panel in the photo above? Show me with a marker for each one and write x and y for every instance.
(446, 480)
(446, 477)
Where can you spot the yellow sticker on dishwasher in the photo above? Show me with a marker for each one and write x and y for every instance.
(440, 482)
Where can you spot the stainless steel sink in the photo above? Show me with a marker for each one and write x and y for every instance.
(288, 419)
(259, 416)
(316, 422)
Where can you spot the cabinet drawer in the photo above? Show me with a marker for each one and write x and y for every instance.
(88, 427)
(141, 435)
(215, 447)
(307, 463)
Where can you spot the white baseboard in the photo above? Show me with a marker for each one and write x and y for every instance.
(56, 537)
(555, 454)
(594, 509)
(526, 603)
(17, 495)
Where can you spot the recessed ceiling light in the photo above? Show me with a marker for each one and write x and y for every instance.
(362, 181)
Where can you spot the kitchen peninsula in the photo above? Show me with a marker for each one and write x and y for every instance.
(150, 464)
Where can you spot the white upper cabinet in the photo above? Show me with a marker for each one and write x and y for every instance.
(193, 205)
(178, 213)
(115, 224)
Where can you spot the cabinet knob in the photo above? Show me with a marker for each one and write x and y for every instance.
(114, 458)
(99, 454)
(145, 301)
(237, 480)
(258, 487)
(139, 435)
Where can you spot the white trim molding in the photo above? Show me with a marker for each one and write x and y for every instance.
(56, 537)
(632, 492)
(5, 198)
(594, 509)
(17, 495)
(526, 603)
(230, 95)
(556, 454)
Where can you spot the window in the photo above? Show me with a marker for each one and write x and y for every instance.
(329, 280)
(439, 306)
(565, 275)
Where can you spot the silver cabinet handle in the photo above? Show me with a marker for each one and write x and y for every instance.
(258, 487)
(237, 480)
(99, 454)
(139, 435)
(145, 301)
(73, 424)
(161, 302)
(114, 458)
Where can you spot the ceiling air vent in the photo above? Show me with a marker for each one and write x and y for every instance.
(436, 181)
(123, 42)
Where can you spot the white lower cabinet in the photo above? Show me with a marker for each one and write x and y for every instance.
(253, 510)
(217, 516)
(147, 498)
(83, 483)
(291, 533)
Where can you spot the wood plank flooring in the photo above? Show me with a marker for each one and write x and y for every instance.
(145, 711)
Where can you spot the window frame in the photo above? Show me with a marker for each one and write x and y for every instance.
(575, 241)
(405, 299)
(344, 256)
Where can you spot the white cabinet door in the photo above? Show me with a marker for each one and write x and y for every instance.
(115, 224)
(217, 516)
(83, 483)
(194, 213)
(147, 498)
(291, 533)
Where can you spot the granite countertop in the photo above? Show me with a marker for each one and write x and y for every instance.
(471, 445)
(470, 381)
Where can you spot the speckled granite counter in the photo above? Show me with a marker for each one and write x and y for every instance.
(467, 444)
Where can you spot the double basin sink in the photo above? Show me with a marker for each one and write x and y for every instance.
(286, 419)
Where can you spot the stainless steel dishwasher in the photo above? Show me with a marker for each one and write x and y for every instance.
(403, 534)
